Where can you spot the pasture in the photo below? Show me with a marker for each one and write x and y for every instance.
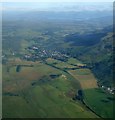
(73, 61)
(52, 61)
(85, 77)
(33, 92)
(100, 102)
(63, 65)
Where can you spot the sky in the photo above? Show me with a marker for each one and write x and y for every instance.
(57, 0)
(56, 5)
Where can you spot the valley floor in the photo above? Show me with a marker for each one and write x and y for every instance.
(46, 89)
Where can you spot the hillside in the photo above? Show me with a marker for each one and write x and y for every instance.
(95, 49)
(54, 62)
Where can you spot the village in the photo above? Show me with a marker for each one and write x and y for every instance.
(110, 90)
(37, 53)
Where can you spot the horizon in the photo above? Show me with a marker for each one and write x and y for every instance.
(57, 6)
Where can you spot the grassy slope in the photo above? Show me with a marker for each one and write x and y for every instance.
(89, 84)
(47, 99)
(85, 77)
(95, 99)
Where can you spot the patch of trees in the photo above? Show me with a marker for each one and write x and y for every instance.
(111, 98)
(18, 68)
(70, 68)
(84, 39)
(103, 70)
(79, 96)
(34, 83)
(54, 76)
(10, 94)
(105, 101)
(26, 65)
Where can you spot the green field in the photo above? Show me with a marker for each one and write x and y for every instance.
(45, 89)
(100, 102)
(55, 61)
(38, 87)
(43, 101)
(85, 77)
(64, 65)
(73, 61)
(40, 91)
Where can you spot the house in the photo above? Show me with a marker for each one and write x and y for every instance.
(27, 56)
(35, 48)
(108, 89)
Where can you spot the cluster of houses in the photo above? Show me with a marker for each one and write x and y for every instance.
(110, 90)
(39, 52)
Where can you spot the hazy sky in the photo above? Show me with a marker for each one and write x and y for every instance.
(57, 0)
(57, 5)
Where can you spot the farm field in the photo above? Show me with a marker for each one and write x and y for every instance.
(85, 77)
(57, 60)
(40, 90)
(69, 64)
(94, 97)
(40, 87)
(74, 61)
(101, 102)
